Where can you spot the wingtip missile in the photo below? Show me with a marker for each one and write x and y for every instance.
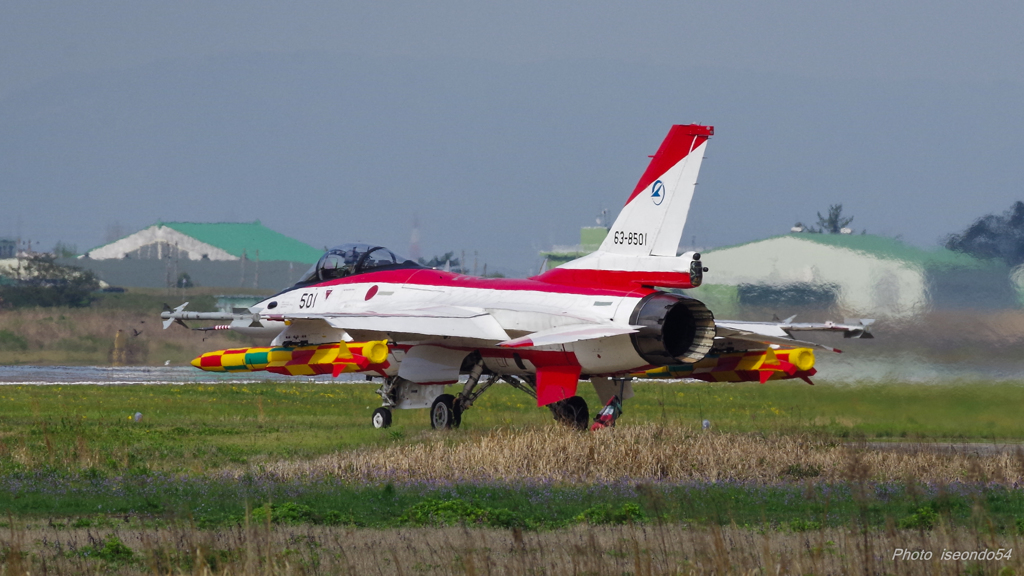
(857, 327)
(255, 311)
(169, 315)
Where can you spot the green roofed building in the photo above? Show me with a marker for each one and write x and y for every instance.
(591, 238)
(221, 241)
(860, 275)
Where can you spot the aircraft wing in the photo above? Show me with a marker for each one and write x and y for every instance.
(763, 333)
(454, 321)
(567, 334)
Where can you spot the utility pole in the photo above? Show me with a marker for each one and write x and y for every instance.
(177, 279)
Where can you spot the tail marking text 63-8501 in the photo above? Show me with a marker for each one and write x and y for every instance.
(631, 238)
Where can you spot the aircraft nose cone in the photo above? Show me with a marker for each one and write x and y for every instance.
(198, 362)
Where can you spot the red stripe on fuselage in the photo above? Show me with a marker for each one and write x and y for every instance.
(681, 140)
(594, 283)
(615, 279)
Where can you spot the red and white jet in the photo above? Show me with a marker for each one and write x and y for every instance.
(600, 317)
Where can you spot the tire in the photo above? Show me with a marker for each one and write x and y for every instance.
(456, 413)
(381, 418)
(442, 413)
(573, 412)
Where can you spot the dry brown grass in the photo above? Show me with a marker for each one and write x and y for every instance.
(86, 336)
(638, 550)
(649, 453)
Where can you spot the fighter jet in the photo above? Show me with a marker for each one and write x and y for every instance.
(605, 317)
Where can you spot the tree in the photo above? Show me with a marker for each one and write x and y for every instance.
(41, 282)
(62, 250)
(439, 262)
(993, 236)
(834, 222)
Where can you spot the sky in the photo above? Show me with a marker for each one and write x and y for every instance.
(503, 127)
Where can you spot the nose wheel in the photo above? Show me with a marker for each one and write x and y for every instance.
(381, 418)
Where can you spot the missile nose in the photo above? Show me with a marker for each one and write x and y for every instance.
(198, 362)
(802, 358)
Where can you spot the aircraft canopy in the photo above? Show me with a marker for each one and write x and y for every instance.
(350, 259)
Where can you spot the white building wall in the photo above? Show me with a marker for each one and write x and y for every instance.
(159, 238)
(868, 285)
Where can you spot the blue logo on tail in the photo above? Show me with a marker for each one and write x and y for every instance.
(658, 193)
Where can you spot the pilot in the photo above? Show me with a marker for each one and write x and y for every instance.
(334, 267)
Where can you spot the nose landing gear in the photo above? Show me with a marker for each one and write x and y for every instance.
(381, 418)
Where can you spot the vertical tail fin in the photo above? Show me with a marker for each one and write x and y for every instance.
(651, 222)
(640, 249)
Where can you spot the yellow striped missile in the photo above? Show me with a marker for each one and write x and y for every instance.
(334, 358)
(750, 366)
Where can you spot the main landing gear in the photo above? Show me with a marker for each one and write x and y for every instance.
(446, 409)
(608, 415)
(615, 390)
(443, 414)
(572, 412)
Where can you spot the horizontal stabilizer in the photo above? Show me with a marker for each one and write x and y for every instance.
(851, 328)
(763, 333)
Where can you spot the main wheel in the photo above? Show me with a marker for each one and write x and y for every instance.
(456, 413)
(381, 418)
(442, 414)
(573, 412)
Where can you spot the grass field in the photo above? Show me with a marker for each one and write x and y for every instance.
(208, 427)
(639, 550)
(784, 475)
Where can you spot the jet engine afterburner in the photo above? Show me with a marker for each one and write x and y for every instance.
(676, 329)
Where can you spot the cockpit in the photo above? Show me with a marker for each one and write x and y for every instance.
(350, 259)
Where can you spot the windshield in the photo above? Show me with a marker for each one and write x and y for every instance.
(348, 259)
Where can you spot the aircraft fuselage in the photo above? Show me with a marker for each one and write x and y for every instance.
(520, 307)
